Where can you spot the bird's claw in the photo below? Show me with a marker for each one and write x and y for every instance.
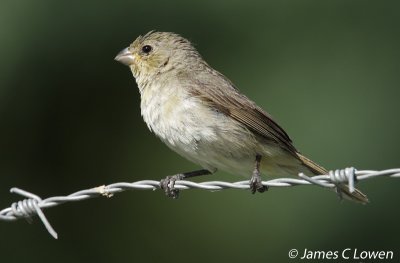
(256, 184)
(168, 184)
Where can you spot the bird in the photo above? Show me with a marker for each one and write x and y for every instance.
(201, 115)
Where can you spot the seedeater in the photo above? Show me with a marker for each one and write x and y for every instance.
(201, 115)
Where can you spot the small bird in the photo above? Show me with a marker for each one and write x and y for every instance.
(200, 114)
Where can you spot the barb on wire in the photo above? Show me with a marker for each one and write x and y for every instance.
(33, 205)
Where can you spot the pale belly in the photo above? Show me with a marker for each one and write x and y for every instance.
(211, 139)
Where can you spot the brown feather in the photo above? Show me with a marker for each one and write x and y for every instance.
(222, 95)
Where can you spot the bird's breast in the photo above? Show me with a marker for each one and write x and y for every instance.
(172, 115)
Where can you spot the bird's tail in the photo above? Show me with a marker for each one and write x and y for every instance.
(356, 196)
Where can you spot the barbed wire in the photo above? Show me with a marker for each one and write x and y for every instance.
(33, 205)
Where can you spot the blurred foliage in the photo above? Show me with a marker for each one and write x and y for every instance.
(70, 119)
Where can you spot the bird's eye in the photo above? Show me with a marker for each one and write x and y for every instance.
(146, 49)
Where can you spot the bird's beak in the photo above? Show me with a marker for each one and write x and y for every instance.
(125, 57)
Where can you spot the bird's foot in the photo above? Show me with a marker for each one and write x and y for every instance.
(168, 184)
(255, 181)
(256, 184)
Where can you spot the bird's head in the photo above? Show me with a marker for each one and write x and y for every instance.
(158, 52)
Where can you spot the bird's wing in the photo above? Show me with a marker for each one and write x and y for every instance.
(220, 93)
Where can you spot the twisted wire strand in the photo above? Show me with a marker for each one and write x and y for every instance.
(33, 205)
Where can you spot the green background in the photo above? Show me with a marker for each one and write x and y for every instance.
(328, 71)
